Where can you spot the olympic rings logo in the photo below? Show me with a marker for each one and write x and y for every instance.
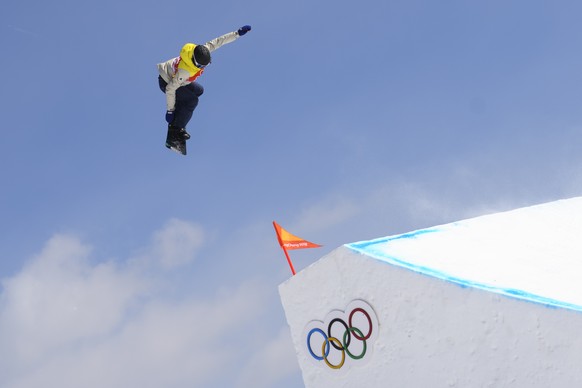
(343, 338)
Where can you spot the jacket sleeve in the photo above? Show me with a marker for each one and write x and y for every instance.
(176, 81)
(216, 43)
(171, 94)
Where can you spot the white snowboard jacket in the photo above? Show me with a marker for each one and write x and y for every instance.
(181, 70)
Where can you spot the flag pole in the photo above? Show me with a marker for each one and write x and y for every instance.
(289, 261)
(283, 248)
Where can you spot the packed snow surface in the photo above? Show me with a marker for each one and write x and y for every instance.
(532, 253)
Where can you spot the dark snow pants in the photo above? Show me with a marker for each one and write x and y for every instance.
(186, 101)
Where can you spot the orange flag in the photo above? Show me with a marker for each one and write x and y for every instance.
(289, 241)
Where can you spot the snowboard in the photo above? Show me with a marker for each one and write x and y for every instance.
(175, 141)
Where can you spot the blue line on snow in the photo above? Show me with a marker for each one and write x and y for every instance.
(366, 247)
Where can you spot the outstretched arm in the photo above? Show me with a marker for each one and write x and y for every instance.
(216, 43)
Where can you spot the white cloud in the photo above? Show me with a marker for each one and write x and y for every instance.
(58, 299)
(169, 344)
(327, 213)
(275, 361)
(68, 322)
(178, 243)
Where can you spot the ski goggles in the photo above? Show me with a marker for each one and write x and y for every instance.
(199, 65)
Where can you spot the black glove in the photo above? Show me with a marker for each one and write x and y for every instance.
(169, 116)
(243, 30)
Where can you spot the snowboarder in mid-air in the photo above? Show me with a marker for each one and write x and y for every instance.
(178, 80)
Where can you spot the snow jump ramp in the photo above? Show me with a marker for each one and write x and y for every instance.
(493, 301)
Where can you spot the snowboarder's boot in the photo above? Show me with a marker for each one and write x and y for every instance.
(185, 135)
(176, 139)
(176, 134)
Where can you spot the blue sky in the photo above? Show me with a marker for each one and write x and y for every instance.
(342, 121)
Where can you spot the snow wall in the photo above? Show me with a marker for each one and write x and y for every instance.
(493, 301)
